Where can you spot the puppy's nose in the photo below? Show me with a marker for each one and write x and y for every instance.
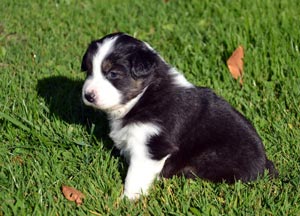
(90, 97)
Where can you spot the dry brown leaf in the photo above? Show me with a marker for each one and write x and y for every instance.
(18, 160)
(72, 194)
(235, 64)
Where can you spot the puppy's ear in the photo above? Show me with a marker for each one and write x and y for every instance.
(143, 63)
(84, 63)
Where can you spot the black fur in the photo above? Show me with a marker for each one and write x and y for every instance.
(204, 134)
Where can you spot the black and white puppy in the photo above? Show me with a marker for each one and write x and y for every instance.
(163, 124)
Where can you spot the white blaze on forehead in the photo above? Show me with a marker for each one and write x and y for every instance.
(107, 97)
(104, 50)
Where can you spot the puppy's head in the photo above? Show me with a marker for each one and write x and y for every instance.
(119, 68)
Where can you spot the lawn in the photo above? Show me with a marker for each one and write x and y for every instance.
(49, 138)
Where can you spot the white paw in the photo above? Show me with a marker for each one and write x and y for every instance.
(131, 196)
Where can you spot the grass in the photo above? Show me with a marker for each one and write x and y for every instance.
(48, 138)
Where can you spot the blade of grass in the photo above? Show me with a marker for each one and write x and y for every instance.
(14, 121)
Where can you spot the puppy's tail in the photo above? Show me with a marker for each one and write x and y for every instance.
(271, 168)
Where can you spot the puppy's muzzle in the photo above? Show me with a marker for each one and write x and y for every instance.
(90, 97)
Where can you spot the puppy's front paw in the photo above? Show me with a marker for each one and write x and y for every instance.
(131, 196)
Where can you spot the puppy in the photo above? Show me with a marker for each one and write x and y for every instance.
(163, 124)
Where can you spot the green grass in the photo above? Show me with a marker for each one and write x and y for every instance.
(48, 138)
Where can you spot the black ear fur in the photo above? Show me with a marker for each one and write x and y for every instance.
(84, 66)
(143, 63)
(86, 63)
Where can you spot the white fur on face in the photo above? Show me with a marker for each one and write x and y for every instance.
(107, 97)
(132, 141)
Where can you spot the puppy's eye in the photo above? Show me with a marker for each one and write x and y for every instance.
(112, 75)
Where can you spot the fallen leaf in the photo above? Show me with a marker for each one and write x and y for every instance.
(18, 160)
(235, 64)
(72, 194)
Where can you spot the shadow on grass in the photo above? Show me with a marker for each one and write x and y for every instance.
(63, 98)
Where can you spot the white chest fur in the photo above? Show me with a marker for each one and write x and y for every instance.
(132, 141)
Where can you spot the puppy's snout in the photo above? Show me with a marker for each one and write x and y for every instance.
(90, 97)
